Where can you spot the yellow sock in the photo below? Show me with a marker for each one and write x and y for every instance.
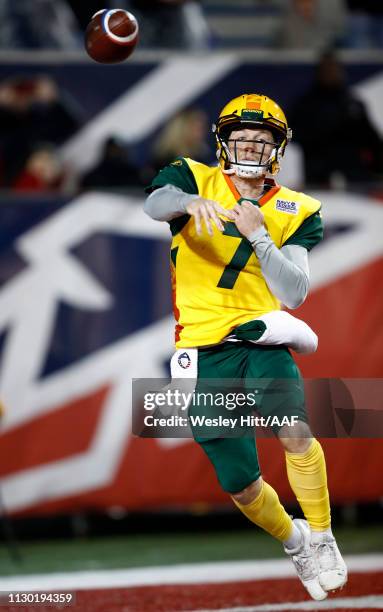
(267, 512)
(308, 479)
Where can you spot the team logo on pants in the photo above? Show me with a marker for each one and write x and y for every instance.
(184, 361)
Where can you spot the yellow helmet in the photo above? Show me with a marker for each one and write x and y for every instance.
(252, 111)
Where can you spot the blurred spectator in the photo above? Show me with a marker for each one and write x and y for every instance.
(171, 24)
(185, 135)
(334, 130)
(312, 24)
(37, 24)
(114, 169)
(32, 110)
(365, 24)
(42, 171)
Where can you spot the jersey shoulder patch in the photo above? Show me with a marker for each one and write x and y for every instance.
(298, 199)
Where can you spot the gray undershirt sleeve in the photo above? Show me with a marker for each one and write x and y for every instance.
(167, 203)
(285, 270)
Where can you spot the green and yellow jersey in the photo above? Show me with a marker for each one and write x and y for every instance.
(217, 281)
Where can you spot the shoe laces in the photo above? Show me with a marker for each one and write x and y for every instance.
(326, 554)
(305, 565)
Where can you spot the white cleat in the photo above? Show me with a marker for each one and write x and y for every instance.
(331, 567)
(305, 562)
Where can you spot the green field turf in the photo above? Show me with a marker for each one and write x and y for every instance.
(162, 549)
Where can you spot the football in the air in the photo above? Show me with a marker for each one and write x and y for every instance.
(111, 36)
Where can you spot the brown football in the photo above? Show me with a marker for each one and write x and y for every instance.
(111, 36)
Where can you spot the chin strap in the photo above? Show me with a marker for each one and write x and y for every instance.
(244, 171)
(228, 170)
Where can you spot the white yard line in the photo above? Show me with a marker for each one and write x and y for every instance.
(196, 573)
(355, 603)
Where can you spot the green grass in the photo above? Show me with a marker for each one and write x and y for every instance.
(162, 549)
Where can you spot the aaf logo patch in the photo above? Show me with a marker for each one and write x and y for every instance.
(184, 361)
(287, 207)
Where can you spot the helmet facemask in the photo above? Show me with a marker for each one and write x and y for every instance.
(263, 155)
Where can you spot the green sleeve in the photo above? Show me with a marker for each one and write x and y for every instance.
(178, 174)
(309, 233)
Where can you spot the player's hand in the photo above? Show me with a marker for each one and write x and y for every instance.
(208, 211)
(247, 218)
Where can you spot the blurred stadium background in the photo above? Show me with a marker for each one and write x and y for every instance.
(85, 301)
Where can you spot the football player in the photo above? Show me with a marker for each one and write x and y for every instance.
(239, 251)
